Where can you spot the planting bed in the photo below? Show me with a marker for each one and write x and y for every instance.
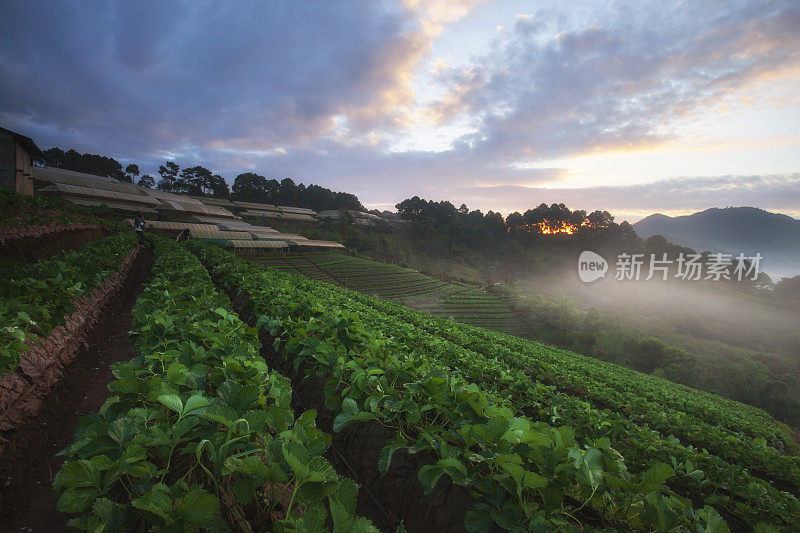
(537, 436)
(29, 462)
(391, 498)
(42, 361)
(199, 434)
(457, 301)
(32, 244)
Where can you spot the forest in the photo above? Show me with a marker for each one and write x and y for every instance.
(200, 181)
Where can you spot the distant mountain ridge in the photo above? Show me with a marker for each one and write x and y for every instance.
(733, 230)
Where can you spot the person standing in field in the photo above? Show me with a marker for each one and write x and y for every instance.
(183, 235)
(138, 227)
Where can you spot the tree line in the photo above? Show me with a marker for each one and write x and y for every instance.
(200, 181)
(431, 221)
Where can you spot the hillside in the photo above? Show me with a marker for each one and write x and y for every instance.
(462, 302)
(246, 397)
(517, 424)
(733, 230)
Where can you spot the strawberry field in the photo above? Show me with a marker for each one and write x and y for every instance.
(255, 399)
(539, 437)
(461, 302)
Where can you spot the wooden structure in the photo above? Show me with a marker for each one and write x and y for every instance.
(17, 153)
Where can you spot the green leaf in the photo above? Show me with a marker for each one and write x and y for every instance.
(199, 507)
(713, 521)
(478, 518)
(77, 500)
(177, 374)
(171, 401)
(122, 430)
(81, 473)
(157, 501)
(349, 406)
(429, 475)
(385, 459)
(341, 421)
(347, 495)
(297, 458)
(195, 402)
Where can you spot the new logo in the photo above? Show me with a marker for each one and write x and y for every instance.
(591, 266)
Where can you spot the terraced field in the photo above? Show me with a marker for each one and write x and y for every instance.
(539, 438)
(463, 303)
(251, 399)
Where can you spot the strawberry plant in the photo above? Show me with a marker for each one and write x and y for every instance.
(199, 434)
(524, 472)
(35, 298)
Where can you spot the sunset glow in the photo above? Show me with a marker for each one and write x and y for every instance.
(499, 104)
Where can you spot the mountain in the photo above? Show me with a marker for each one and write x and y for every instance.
(733, 230)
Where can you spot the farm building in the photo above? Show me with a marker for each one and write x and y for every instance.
(89, 190)
(221, 202)
(171, 228)
(253, 209)
(17, 153)
(359, 217)
(310, 244)
(238, 245)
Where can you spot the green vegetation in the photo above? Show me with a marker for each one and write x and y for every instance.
(21, 212)
(35, 298)
(720, 341)
(539, 436)
(199, 430)
(250, 187)
(460, 301)
(749, 373)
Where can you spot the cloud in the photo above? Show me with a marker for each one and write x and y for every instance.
(138, 77)
(622, 78)
(673, 196)
(325, 92)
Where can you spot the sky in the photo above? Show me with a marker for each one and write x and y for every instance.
(631, 107)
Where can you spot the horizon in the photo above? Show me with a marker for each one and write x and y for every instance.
(500, 105)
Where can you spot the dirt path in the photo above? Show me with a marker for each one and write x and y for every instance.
(27, 499)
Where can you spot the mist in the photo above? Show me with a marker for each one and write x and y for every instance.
(738, 342)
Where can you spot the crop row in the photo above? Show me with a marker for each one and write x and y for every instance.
(607, 389)
(35, 298)
(523, 473)
(725, 484)
(735, 416)
(199, 433)
(472, 307)
(573, 370)
(728, 483)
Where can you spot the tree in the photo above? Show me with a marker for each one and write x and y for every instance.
(251, 187)
(131, 173)
(86, 163)
(288, 194)
(192, 180)
(411, 208)
(514, 220)
(169, 175)
(147, 181)
(654, 353)
(788, 290)
(54, 157)
(217, 187)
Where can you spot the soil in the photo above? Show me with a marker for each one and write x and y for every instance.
(29, 462)
(18, 250)
(388, 500)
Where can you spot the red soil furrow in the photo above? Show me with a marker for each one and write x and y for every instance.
(29, 461)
